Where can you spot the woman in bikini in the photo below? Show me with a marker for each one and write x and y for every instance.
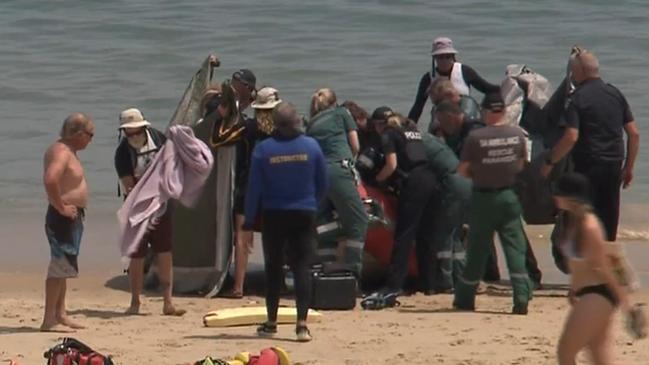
(595, 290)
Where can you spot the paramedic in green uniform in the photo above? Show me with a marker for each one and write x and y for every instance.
(491, 158)
(335, 130)
(455, 192)
(455, 128)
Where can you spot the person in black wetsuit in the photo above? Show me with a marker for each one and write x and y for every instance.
(288, 179)
(256, 130)
(445, 65)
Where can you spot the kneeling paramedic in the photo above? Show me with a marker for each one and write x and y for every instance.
(454, 193)
(491, 157)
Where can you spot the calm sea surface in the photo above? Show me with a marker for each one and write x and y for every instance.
(103, 56)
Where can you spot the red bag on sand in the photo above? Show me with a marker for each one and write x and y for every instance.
(73, 352)
(266, 357)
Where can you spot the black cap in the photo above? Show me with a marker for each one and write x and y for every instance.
(573, 185)
(246, 76)
(381, 114)
(493, 102)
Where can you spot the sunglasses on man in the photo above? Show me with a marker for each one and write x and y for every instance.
(134, 134)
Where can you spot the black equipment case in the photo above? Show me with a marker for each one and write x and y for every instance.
(334, 287)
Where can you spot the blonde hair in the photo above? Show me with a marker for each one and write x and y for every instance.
(265, 121)
(321, 100)
(397, 121)
(440, 89)
(73, 124)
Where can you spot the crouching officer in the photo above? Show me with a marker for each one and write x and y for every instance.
(405, 152)
(335, 131)
(491, 157)
(454, 195)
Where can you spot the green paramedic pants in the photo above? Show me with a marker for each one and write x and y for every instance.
(497, 211)
(352, 217)
(448, 244)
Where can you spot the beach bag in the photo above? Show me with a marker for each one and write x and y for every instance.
(74, 352)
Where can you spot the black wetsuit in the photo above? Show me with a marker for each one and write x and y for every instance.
(471, 78)
(250, 137)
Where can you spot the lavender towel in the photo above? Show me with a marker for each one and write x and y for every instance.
(178, 172)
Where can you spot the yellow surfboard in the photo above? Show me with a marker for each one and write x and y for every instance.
(246, 316)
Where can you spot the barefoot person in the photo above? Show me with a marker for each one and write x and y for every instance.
(595, 292)
(256, 130)
(133, 157)
(67, 194)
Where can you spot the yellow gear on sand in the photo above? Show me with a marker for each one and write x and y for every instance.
(284, 359)
(244, 357)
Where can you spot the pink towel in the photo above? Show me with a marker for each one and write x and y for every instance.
(178, 172)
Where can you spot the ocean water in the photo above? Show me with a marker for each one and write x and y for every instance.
(101, 57)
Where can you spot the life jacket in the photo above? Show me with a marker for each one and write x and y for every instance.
(456, 77)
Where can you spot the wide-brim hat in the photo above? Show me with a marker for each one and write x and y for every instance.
(132, 118)
(443, 45)
(267, 98)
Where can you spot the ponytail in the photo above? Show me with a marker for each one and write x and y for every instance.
(321, 100)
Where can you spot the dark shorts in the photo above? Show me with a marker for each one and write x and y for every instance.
(602, 290)
(159, 238)
(64, 236)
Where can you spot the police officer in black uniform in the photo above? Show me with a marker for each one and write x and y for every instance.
(406, 167)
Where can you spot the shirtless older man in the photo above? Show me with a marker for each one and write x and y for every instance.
(67, 193)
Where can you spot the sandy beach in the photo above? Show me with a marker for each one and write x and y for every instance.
(422, 331)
